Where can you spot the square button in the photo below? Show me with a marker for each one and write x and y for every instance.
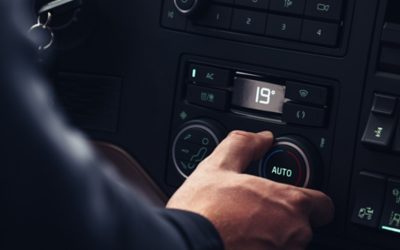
(284, 27)
(384, 104)
(208, 97)
(288, 6)
(320, 33)
(369, 199)
(216, 17)
(249, 21)
(379, 130)
(326, 9)
(171, 17)
(300, 92)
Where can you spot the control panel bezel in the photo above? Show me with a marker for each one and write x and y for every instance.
(320, 137)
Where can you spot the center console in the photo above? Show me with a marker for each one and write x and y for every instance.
(177, 76)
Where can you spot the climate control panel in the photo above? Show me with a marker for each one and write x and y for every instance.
(216, 97)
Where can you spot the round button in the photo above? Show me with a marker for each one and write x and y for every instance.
(186, 6)
(192, 145)
(291, 161)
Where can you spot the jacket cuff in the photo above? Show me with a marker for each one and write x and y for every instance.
(199, 233)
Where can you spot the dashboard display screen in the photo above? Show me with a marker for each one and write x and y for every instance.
(258, 95)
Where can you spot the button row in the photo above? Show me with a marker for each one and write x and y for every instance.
(381, 124)
(373, 207)
(325, 9)
(259, 23)
(209, 87)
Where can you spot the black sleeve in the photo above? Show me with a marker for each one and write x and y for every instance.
(56, 191)
(60, 194)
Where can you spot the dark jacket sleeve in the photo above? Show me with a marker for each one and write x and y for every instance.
(60, 194)
(56, 191)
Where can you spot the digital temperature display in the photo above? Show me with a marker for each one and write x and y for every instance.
(258, 95)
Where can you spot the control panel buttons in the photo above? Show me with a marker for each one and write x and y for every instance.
(284, 27)
(303, 115)
(291, 161)
(379, 130)
(306, 93)
(288, 6)
(384, 104)
(172, 18)
(208, 97)
(209, 75)
(369, 199)
(390, 220)
(320, 33)
(216, 17)
(280, 19)
(193, 143)
(249, 21)
(327, 9)
(259, 4)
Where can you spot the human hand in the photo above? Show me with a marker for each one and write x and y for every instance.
(250, 212)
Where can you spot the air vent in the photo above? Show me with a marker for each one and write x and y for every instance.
(91, 102)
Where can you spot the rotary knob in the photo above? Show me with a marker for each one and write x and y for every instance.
(190, 7)
(292, 160)
(193, 143)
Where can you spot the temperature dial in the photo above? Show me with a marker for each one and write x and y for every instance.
(193, 143)
(292, 160)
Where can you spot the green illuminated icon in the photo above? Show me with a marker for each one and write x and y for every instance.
(183, 115)
(207, 97)
(366, 213)
(303, 93)
(199, 156)
(205, 141)
(187, 137)
(394, 219)
(396, 194)
(378, 132)
(194, 73)
(185, 151)
(391, 229)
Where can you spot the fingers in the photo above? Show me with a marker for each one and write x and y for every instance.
(321, 209)
(239, 149)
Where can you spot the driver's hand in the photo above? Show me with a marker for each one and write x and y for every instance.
(250, 212)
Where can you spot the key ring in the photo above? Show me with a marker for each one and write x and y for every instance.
(44, 27)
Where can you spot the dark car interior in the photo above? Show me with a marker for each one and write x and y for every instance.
(156, 85)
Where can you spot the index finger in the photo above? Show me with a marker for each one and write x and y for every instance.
(239, 149)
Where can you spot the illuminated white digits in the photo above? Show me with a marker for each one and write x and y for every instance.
(263, 95)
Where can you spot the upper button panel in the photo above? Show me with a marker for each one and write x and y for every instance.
(309, 23)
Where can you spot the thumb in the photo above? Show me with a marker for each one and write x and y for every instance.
(239, 149)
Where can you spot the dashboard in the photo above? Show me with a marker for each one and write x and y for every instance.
(167, 80)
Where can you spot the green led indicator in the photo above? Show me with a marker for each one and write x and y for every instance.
(194, 73)
(391, 229)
